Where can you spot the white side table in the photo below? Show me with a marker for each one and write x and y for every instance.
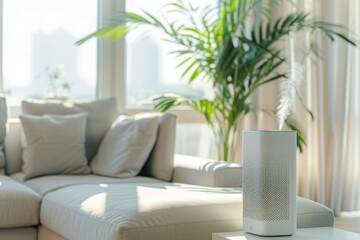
(323, 233)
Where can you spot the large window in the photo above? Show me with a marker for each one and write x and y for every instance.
(39, 52)
(37, 44)
(150, 70)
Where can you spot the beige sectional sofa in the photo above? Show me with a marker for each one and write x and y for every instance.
(200, 197)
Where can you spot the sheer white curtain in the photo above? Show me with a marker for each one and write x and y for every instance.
(329, 170)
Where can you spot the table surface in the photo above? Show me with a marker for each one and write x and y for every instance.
(323, 233)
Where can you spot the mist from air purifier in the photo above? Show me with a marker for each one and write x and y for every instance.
(288, 88)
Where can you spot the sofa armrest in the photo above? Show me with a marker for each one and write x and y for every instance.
(206, 172)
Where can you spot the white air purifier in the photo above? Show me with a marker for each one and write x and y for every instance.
(269, 182)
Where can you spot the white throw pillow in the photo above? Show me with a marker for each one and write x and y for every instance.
(55, 144)
(101, 113)
(126, 146)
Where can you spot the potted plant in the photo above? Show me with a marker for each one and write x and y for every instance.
(56, 77)
(222, 48)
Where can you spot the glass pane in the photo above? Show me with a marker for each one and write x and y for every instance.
(150, 70)
(39, 53)
(196, 140)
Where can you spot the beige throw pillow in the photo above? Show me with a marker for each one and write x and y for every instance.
(55, 144)
(126, 146)
(101, 114)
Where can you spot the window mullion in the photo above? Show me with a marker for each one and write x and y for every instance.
(111, 57)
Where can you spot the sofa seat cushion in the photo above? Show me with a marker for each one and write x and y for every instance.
(141, 211)
(45, 184)
(19, 205)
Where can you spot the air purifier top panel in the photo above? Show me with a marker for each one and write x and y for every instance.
(270, 141)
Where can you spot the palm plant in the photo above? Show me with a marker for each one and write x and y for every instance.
(219, 45)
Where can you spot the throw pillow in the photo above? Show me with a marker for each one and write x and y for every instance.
(126, 146)
(100, 115)
(3, 119)
(55, 144)
(160, 163)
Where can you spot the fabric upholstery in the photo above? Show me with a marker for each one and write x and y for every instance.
(29, 233)
(154, 211)
(160, 163)
(19, 205)
(46, 234)
(198, 171)
(43, 185)
(13, 149)
(3, 119)
(126, 146)
(55, 144)
(141, 211)
(100, 115)
(41, 107)
(311, 214)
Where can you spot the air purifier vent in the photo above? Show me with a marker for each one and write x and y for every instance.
(267, 181)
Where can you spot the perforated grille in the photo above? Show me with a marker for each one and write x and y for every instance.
(266, 186)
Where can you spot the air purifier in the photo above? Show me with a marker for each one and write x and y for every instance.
(269, 182)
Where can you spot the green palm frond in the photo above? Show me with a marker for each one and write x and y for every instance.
(292, 124)
(167, 101)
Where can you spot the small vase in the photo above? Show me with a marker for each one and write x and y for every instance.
(269, 182)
